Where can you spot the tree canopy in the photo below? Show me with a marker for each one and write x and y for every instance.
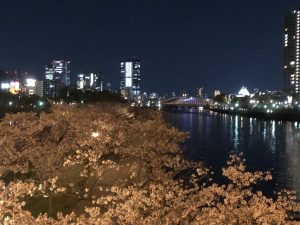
(109, 164)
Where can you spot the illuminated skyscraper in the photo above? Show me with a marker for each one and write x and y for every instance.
(291, 52)
(61, 71)
(57, 75)
(90, 81)
(49, 81)
(130, 85)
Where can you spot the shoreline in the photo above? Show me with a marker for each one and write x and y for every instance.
(279, 116)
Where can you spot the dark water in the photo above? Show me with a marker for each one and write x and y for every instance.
(267, 145)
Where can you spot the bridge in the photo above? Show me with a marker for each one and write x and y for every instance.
(186, 102)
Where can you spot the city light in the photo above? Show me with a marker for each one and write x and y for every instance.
(95, 134)
(31, 82)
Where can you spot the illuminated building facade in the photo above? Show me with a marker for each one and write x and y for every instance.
(216, 93)
(17, 82)
(11, 81)
(291, 52)
(200, 92)
(34, 87)
(130, 85)
(49, 81)
(90, 81)
(57, 75)
(61, 71)
(243, 92)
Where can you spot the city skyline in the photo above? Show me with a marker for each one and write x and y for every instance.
(181, 52)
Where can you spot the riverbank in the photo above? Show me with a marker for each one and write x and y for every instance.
(282, 115)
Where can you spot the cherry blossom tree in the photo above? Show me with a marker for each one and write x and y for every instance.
(118, 165)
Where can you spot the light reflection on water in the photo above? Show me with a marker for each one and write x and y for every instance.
(267, 145)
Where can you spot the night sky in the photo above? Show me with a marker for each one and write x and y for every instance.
(183, 44)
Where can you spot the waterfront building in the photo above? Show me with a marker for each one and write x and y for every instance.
(200, 92)
(243, 92)
(130, 84)
(291, 65)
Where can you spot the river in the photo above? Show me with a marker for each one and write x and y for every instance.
(267, 145)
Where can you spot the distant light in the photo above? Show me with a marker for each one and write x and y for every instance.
(5, 86)
(289, 99)
(244, 92)
(95, 134)
(30, 82)
(14, 87)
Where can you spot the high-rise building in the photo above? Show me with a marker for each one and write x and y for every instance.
(49, 85)
(291, 52)
(90, 81)
(200, 92)
(130, 85)
(61, 71)
(40, 88)
(57, 75)
(34, 87)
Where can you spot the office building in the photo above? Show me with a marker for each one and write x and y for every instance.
(90, 81)
(61, 71)
(49, 85)
(57, 75)
(291, 52)
(39, 88)
(130, 85)
(34, 87)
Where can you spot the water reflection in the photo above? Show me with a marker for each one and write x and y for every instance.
(235, 133)
(292, 150)
(267, 145)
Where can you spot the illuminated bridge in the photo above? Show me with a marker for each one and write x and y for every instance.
(186, 102)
